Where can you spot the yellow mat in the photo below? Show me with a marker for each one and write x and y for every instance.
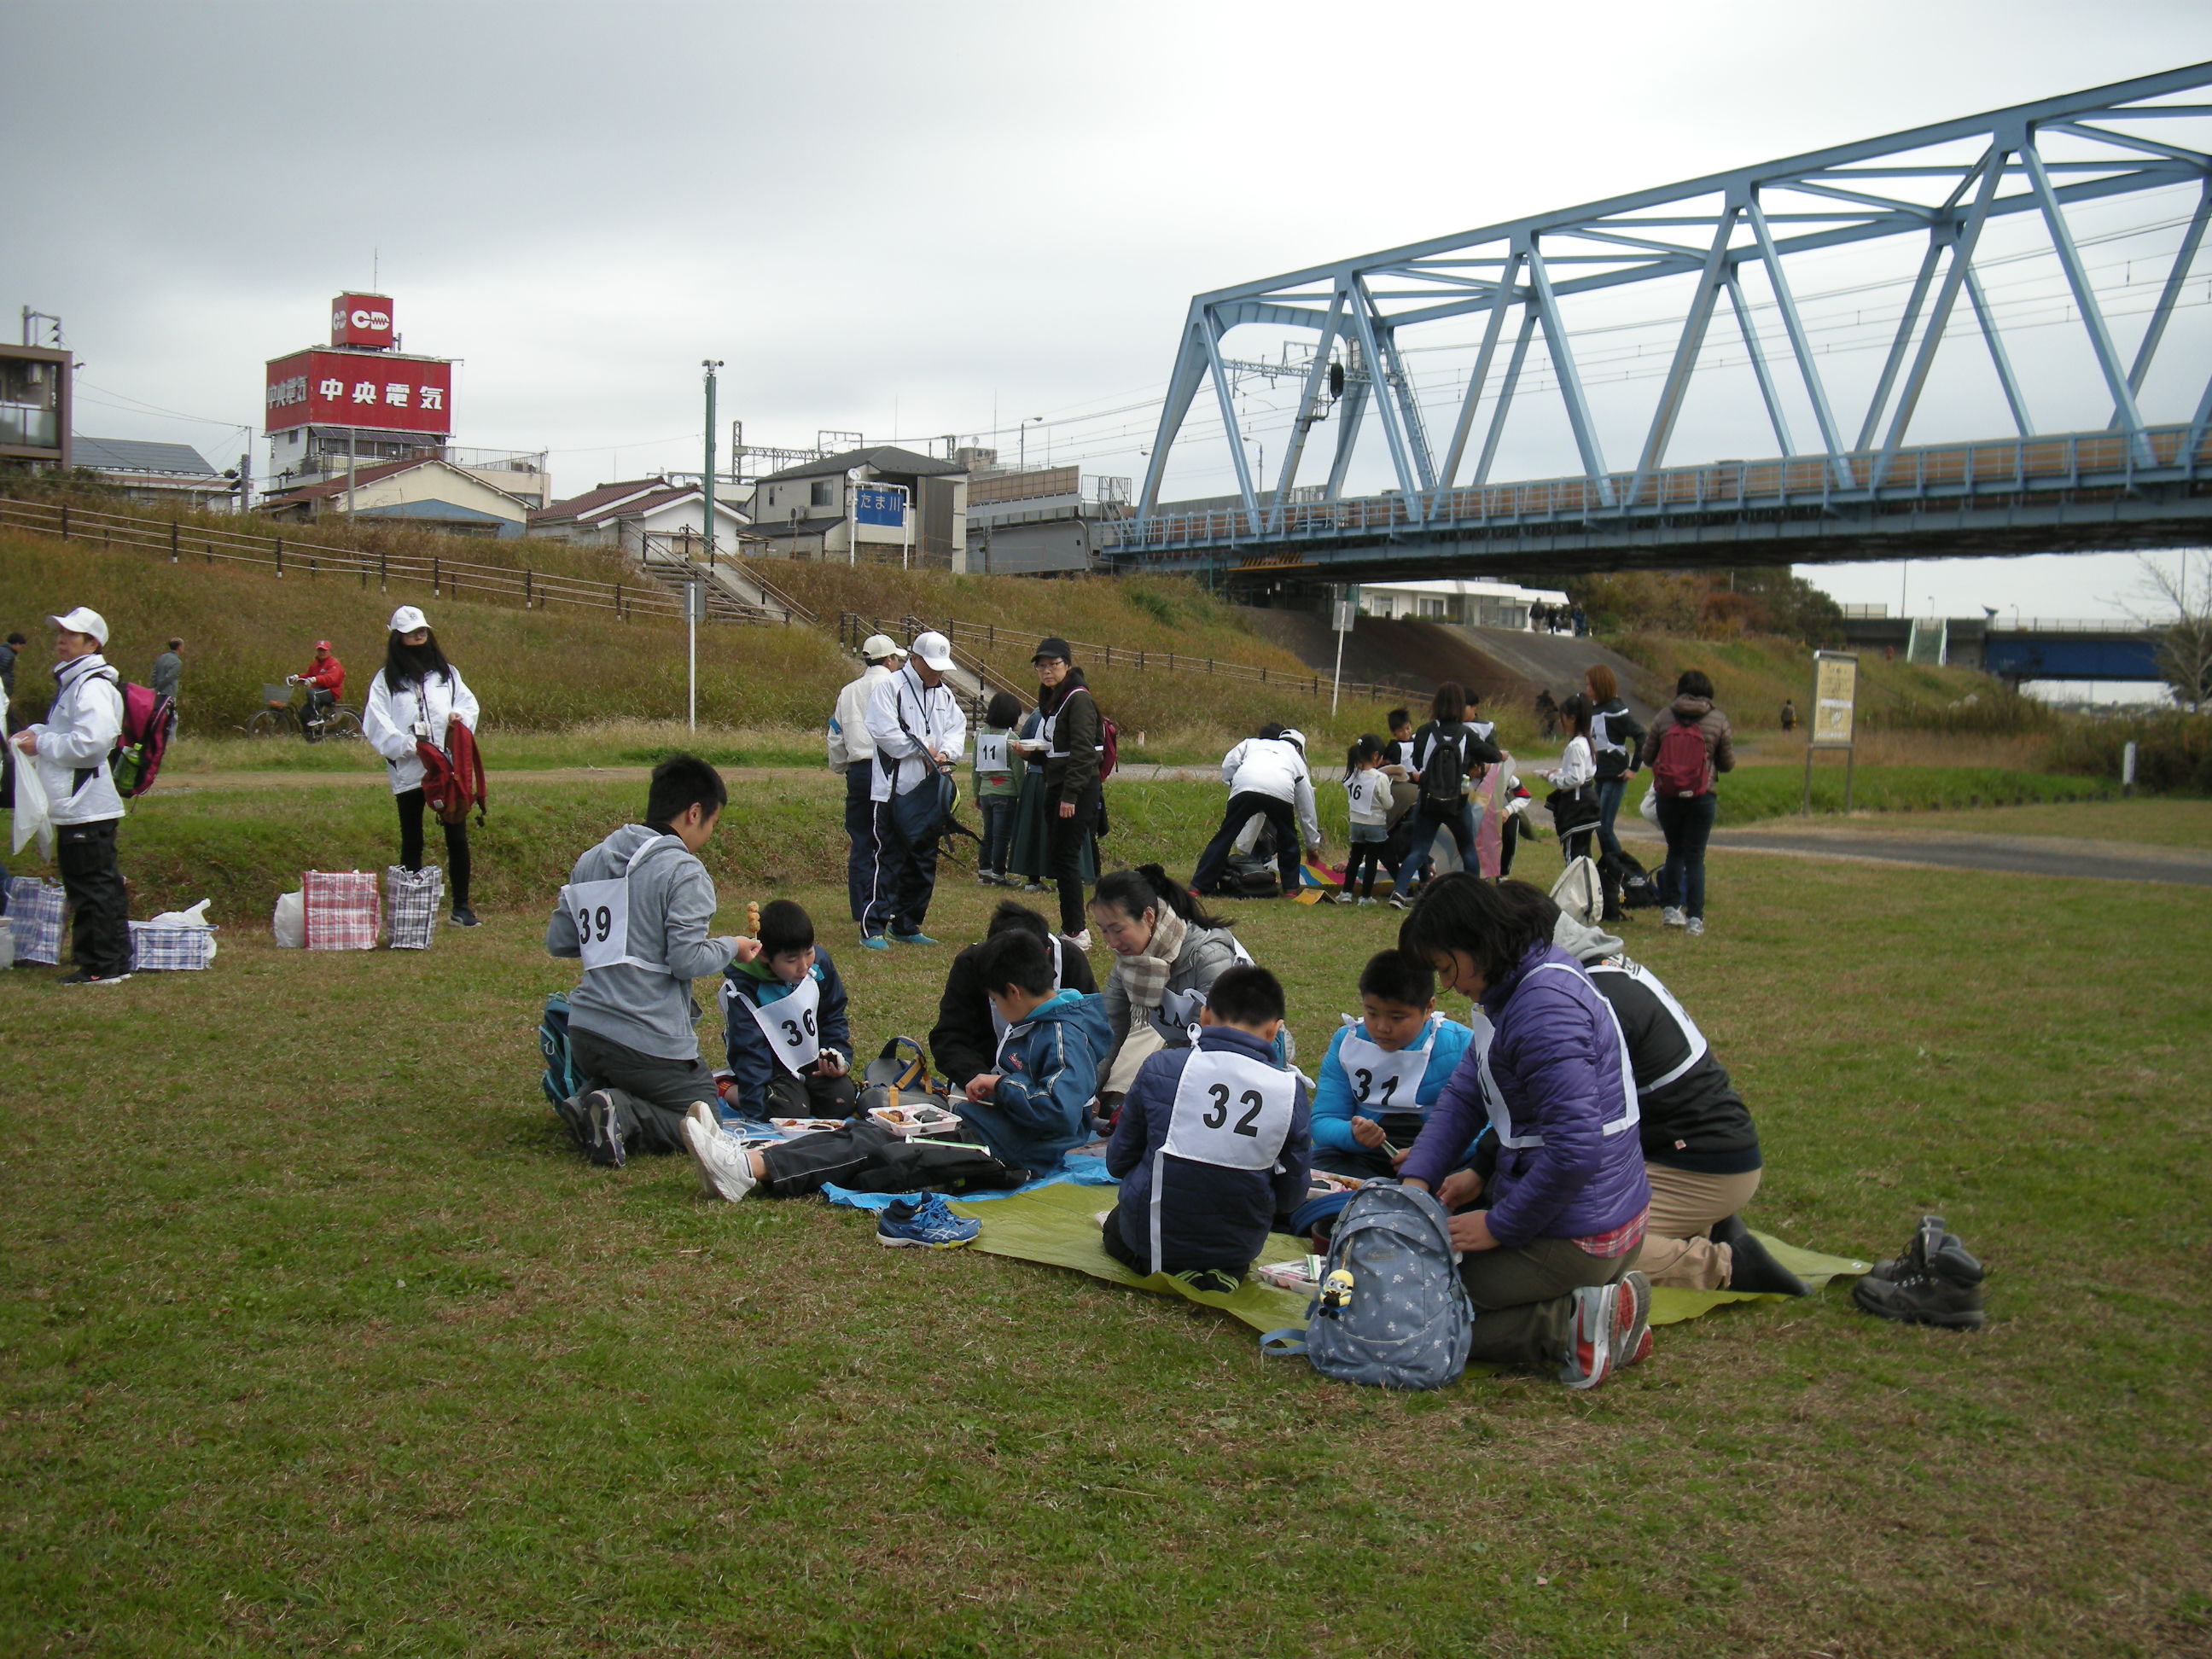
(1055, 1225)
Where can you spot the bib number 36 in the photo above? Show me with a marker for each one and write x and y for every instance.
(791, 1031)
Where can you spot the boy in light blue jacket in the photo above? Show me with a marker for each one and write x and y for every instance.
(1384, 1070)
(1034, 1107)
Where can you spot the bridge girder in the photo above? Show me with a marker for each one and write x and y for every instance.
(1712, 229)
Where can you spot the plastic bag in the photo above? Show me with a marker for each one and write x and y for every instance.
(31, 813)
(1649, 806)
(290, 922)
(195, 917)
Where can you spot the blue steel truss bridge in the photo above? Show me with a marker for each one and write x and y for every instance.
(1846, 481)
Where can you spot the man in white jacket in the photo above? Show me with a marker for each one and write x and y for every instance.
(1266, 775)
(71, 747)
(853, 752)
(918, 731)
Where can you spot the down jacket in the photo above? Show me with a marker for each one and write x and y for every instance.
(965, 1039)
(1048, 1076)
(1209, 1217)
(1554, 1056)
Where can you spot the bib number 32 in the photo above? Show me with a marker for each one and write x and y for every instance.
(1218, 1114)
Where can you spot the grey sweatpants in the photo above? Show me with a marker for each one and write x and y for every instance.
(651, 1095)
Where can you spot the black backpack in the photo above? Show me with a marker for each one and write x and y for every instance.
(1251, 876)
(1444, 773)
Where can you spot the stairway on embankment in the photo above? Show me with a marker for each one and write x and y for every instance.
(1504, 665)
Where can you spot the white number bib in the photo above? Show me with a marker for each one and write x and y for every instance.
(1501, 1116)
(1231, 1111)
(991, 752)
(600, 910)
(1382, 1081)
(791, 1025)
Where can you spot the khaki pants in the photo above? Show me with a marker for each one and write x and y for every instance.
(1684, 1205)
(1141, 1044)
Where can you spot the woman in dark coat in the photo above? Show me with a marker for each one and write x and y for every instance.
(1071, 743)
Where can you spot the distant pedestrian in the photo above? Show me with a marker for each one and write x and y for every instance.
(852, 751)
(69, 748)
(996, 784)
(325, 679)
(1547, 713)
(17, 715)
(1447, 750)
(920, 735)
(1266, 776)
(1074, 733)
(1688, 745)
(1789, 714)
(169, 671)
(14, 643)
(414, 697)
(1580, 618)
(1615, 736)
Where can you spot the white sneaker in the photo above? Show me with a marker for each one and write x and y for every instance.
(1081, 941)
(1361, 903)
(702, 1115)
(1671, 917)
(1695, 927)
(725, 1169)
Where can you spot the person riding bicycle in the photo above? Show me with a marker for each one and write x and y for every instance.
(325, 679)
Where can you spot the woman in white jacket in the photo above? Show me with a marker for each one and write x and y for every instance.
(416, 695)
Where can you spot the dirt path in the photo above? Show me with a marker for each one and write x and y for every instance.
(2025, 855)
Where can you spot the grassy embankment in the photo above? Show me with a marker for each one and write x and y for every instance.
(321, 1339)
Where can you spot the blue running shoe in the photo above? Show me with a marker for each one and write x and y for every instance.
(874, 942)
(923, 1224)
(915, 939)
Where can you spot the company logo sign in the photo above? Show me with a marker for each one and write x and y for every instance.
(362, 319)
(372, 391)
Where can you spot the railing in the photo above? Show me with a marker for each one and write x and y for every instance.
(293, 557)
(853, 628)
(2018, 466)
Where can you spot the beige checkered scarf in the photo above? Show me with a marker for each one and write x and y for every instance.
(1145, 976)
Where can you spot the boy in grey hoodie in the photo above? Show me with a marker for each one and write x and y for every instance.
(636, 911)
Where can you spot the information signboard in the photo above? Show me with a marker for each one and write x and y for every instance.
(1835, 698)
(879, 505)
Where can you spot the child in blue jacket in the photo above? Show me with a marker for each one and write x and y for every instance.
(1384, 1070)
(784, 1026)
(1034, 1107)
(1213, 1143)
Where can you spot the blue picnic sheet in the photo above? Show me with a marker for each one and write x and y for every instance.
(1080, 1169)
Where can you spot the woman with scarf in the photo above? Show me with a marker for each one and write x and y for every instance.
(1167, 954)
(415, 696)
(1070, 740)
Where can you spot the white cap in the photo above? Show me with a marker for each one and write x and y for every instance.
(1292, 734)
(935, 649)
(84, 619)
(877, 647)
(407, 619)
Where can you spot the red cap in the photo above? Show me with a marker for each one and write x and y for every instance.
(322, 645)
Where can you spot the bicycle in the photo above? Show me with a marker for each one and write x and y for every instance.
(280, 716)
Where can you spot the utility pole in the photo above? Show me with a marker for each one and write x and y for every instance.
(707, 478)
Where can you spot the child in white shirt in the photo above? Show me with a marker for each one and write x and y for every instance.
(1367, 787)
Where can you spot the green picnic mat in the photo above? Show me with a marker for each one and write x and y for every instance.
(1055, 1224)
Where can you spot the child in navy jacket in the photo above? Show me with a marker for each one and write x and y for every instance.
(784, 1027)
(1213, 1142)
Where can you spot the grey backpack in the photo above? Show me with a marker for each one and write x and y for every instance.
(1391, 1312)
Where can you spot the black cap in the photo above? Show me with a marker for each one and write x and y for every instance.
(1054, 646)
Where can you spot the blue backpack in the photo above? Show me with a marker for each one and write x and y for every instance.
(1391, 1312)
(561, 1080)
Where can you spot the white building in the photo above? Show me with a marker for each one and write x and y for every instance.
(643, 516)
(881, 505)
(428, 493)
(1470, 604)
(157, 473)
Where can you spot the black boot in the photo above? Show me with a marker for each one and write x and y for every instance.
(1925, 1242)
(1946, 1291)
(1752, 1265)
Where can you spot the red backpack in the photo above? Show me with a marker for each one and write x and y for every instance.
(149, 719)
(453, 777)
(1680, 768)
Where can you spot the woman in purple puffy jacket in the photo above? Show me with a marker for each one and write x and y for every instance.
(1551, 1215)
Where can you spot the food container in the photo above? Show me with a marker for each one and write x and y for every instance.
(911, 1122)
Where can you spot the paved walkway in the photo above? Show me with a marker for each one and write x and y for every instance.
(2026, 855)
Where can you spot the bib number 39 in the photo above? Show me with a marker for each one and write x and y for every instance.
(592, 925)
(1217, 1115)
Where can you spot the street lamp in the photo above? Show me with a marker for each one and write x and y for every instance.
(1023, 465)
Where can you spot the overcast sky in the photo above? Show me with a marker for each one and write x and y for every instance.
(910, 220)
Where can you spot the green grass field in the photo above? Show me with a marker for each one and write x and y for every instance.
(320, 1339)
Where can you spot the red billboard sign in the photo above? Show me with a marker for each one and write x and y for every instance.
(373, 390)
(362, 320)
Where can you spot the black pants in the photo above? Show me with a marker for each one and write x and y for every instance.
(100, 933)
(1209, 1277)
(457, 846)
(1215, 859)
(1366, 858)
(796, 1168)
(651, 1095)
(815, 1095)
(1064, 843)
